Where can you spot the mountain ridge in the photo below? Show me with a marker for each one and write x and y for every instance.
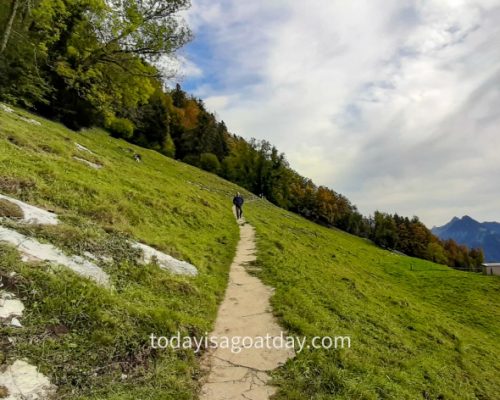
(474, 234)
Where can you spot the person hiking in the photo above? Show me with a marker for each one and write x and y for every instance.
(238, 204)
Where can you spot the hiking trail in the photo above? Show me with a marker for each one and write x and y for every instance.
(245, 311)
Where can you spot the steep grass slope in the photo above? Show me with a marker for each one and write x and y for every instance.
(92, 342)
(418, 330)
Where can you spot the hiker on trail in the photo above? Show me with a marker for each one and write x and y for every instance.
(238, 203)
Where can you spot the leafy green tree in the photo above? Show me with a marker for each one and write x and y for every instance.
(121, 128)
(14, 6)
(476, 257)
(95, 54)
(384, 231)
(22, 81)
(209, 162)
(168, 147)
(436, 253)
(152, 123)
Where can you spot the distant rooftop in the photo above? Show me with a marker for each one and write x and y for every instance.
(491, 264)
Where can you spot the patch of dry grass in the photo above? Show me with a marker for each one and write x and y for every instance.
(10, 210)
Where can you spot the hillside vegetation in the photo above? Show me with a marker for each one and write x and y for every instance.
(85, 337)
(418, 330)
(102, 63)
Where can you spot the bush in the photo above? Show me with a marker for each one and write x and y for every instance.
(209, 162)
(192, 159)
(168, 147)
(121, 128)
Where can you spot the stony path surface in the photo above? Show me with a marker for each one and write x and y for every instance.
(245, 311)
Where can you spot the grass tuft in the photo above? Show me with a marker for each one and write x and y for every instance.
(10, 210)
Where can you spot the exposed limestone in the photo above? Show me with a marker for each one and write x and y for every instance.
(30, 121)
(87, 162)
(83, 148)
(10, 306)
(32, 214)
(32, 249)
(5, 108)
(22, 381)
(15, 323)
(165, 261)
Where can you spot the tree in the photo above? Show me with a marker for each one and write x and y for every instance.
(152, 121)
(22, 81)
(384, 230)
(476, 256)
(179, 96)
(8, 26)
(436, 252)
(209, 162)
(96, 55)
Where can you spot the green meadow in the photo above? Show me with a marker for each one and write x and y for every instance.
(87, 338)
(418, 330)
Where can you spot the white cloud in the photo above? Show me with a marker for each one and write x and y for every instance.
(392, 103)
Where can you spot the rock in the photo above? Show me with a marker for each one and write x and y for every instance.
(32, 214)
(165, 261)
(83, 148)
(31, 121)
(5, 108)
(15, 323)
(89, 163)
(90, 256)
(32, 249)
(23, 381)
(10, 306)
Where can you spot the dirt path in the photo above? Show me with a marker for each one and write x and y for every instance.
(245, 311)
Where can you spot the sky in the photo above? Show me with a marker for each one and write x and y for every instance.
(393, 103)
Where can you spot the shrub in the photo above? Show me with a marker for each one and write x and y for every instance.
(121, 128)
(168, 147)
(192, 159)
(209, 162)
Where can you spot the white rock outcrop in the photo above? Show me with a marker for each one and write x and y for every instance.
(165, 261)
(83, 148)
(5, 108)
(10, 306)
(88, 163)
(23, 381)
(32, 249)
(32, 214)
(30, 121)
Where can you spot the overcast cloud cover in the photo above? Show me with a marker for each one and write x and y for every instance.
(395, 104)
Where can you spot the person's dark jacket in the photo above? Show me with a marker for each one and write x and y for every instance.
(238, 201)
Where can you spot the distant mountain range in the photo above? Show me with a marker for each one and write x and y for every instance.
(472, 233)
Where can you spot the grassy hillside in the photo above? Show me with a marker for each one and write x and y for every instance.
(419, 330)
(158, 201)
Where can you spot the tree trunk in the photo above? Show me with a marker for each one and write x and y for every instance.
(8, 26)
